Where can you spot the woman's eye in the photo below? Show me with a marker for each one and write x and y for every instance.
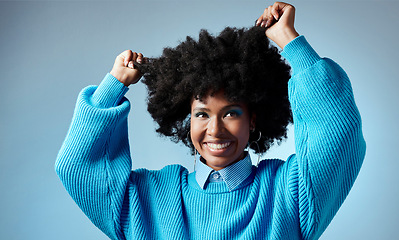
(234, 113)
(231, 114)
(201, 115)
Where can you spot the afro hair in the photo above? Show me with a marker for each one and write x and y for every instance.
(242, 62)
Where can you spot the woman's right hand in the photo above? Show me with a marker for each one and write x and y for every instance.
(123, 68)
(278, 19)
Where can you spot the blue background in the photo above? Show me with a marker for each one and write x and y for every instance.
(49, 51)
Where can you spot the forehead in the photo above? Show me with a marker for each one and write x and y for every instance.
(215, 100)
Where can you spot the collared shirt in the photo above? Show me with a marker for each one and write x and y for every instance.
(232, 175)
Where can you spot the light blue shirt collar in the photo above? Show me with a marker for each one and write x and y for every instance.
(232, 175)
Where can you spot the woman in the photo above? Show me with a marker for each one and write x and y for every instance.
(219, 95)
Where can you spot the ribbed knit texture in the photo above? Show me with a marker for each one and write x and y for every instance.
(293, 199)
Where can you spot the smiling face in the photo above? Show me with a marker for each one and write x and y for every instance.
(220, 129)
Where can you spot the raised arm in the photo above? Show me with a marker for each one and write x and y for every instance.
(328, 134)
(94, 162)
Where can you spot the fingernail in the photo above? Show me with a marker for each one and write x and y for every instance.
(256, 22)
(139, 60)
(130, 65)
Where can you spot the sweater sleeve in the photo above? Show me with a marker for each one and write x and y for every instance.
(94, 161)
(328, 138)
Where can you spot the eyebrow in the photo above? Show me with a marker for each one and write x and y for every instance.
(203, 109)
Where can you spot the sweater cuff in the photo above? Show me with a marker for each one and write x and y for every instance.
(300, 54)
(109, 93)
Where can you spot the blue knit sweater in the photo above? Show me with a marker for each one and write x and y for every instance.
(292, 199)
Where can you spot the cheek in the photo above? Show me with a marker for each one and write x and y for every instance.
(241, 132)
(196, 132)
(244, 135)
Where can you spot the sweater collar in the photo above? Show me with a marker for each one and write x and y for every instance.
(233, 175)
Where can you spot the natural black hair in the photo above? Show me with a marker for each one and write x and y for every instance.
(242, 62)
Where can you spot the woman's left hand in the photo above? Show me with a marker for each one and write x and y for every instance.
(278, 19)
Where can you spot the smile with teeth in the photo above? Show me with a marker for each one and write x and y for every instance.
(218, 146)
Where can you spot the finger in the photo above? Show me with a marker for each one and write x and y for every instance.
(281, 7)
(130, 64)
(126, 56)
(134, 56)
(139, 58)
(130, 61)
(275, 12)
(265, 17)
(268, 17)
(259, 21)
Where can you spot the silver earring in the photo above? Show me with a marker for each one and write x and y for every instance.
(260, 135)
(195, 150)
(257, 145)
(195, 158)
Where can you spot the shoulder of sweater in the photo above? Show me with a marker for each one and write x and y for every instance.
(274, 165)
(275, 171)
(168, 172)
(269, 165)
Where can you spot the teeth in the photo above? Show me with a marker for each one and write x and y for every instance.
(218, 146)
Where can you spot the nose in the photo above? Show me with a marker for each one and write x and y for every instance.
(215, 127)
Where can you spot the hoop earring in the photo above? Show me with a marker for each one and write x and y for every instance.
(195, 150)
(195, 158)
(257, 146)
(260, 135)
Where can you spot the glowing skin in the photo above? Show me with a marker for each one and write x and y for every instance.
(220, 129)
